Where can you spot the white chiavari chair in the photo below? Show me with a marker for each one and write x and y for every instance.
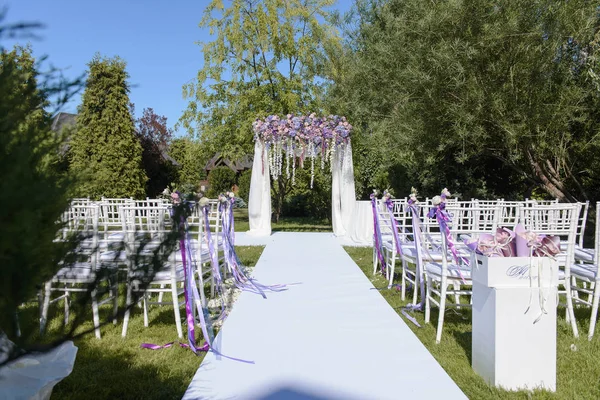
(82, 221)
(146, 229)
(440, 276)
(558, 219)
(587, 273)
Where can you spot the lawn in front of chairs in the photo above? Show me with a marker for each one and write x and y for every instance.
(285, 224)
(118, 368)
(578, 369)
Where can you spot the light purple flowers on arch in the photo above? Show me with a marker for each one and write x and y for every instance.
(298, 137)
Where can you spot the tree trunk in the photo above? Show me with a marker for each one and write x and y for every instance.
(552, 185)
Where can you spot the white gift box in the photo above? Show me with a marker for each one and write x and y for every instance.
(514, 328)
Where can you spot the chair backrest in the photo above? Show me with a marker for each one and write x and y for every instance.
(509, 214)
(110, 216)
(82, 220)
(473, 220)
(583, 214)
(139, 223)
(559, 219)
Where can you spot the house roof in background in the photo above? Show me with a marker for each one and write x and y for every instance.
(236, 166)
(63, 119)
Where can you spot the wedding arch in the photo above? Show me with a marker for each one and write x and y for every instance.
(282, 145)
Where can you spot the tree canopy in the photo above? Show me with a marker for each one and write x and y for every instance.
(267, 57)
(105, 145)
(492, 99)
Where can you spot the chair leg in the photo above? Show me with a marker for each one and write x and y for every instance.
(95, 313)
(45, 307)
(145, 305)
(374, 260)
(176, 309)
(438, 334)
(115, 294)
(403, 282)
(456, 287)
(67, 308)
(128, 307)
(392, 270)
(570, 307)
(201, 287)
(427, 303)
(594, 314)
(160, 295)
(417, 286)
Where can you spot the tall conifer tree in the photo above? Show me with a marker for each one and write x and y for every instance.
(105, 145)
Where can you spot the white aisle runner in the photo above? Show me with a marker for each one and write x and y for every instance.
(330, 337)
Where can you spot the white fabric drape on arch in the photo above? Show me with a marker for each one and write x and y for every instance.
(343, 196)
(259, 202)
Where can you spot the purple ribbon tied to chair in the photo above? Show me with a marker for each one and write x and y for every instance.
(234, 265)
(441, 215)
(418, 239)
(377, 233)
(394, 223)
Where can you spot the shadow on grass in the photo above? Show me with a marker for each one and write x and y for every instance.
(100, 374)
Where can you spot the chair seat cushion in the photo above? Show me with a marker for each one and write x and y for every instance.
(204, 254)
(586, 255)
(77, 272)
(585, 271)
(113, 256)
(435, 269)
(164, 275)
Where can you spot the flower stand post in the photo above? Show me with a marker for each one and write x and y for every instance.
(514, 321)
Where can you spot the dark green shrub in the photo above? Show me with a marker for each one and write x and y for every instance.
(220, 179)
(244, 185)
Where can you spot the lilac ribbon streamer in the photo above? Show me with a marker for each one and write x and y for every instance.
(377, 233)
(390, 208)
(416, 224)
(443, 218)
(187, 275)
(410, 318)
(240, 279)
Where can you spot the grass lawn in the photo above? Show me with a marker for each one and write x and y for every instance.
(116, 367)
(578, 371)
(285, 224)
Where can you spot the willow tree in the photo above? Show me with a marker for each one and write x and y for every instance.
(267, 57)
(105, 145)
(484, 96)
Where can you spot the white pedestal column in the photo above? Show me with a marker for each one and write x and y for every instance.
(510, 349)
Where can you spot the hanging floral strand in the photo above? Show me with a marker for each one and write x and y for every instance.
(298, 136)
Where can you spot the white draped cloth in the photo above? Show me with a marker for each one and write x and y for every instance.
(259, 202)
(343, 196)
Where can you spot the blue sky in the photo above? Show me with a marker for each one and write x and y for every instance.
(156, 38)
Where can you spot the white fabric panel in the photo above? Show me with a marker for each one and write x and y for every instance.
(361, 224)
(343, 193)
(331, 336)
(259, 202)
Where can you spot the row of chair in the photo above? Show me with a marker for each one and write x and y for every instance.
(446, 279)
(123, 237)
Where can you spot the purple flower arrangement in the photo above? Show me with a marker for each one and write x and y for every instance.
(298, 137)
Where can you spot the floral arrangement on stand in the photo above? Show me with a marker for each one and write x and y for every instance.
(296, 137)
(517, 243)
